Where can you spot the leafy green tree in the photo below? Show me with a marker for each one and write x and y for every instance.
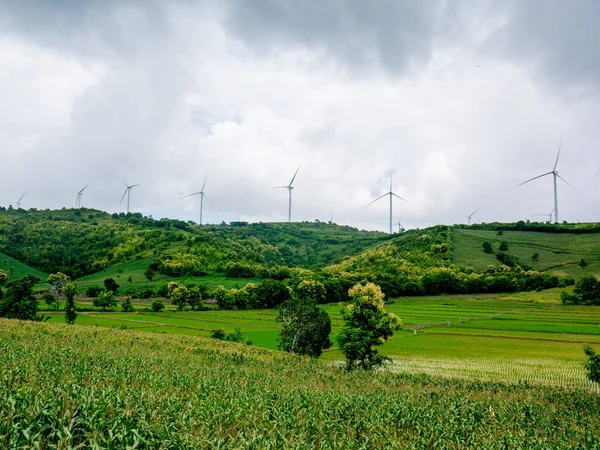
(157, 306)
(149, 274)
(503, 246)
(305, 327)
(271, 293)
(583, 263)
(105, 300)
(366, 326)
(179, 295)
(487, 247)
(111, 285)
(592, 365)
(57, 281)
(19, 302)
(535, 257)
(70, 290)
(126, 304)
(311, 289)
(3, 277)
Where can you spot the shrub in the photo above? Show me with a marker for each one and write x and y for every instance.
(158, 306)
(503, 246)
(239, 270)
(105, 300)
(93, 291)
(126, 305)
(487, 247)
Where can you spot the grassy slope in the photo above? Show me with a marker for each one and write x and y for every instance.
(67, 386)
(19, 269)
(559, 254)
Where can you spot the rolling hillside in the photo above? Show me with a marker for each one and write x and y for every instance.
(559, 254)
(17, 269)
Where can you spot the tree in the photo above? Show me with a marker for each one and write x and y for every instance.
(3, 277)
(588, 289)
(19, 302)
(311, 289)
(149, 274)
(487, 247)
(503, 246)
(70, 290)
(105, 300)
(57, 281)
(592, 365)
(305, 327)
(111, 285)
(535, 257)
(50, 299)
(583, 263)
(179, 295)
(158, 306)
(271, 293)
(366, 325)
(126, 305)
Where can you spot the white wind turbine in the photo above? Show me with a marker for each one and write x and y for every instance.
(201, 194)
(79, 195)
(21, 198)
(289, 187)
(400, 226)
(547, 214)
(391, 194)
(472, 214)
(128, 193)
(555, 175)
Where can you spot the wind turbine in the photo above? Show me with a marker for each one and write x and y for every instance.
(201, 194)
(472, 214)
(547, 214)
(21, 198)
(79, 195)
(128, 193)
(391, 194)
(289, 187)
(555, 175)
(400, 226)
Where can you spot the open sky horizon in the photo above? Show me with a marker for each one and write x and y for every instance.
(458, 100)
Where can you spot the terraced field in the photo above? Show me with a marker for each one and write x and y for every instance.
(514, 338)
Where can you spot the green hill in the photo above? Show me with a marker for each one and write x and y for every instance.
(559, 254)
(16, 269)
(85, 387)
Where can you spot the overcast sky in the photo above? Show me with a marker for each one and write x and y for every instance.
(460, 100)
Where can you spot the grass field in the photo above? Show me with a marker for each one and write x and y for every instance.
(82, 387)
(559, 254)
(135, 269)
(510, 338)
(16, 269)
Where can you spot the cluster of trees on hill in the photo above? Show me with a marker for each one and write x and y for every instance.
(541, 227)
(79, 242)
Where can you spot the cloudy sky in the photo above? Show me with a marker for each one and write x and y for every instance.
(459, 100)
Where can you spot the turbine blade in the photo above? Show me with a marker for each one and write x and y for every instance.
(189, 195)
(281, 187)
(81, 191)
(568, 183)
(473, 213)
(401, 198)
(204, 184)
(378, 198)
(134, 185)
(124, 194)
(534, 178)
(558, 155)
(294, 177)
(21, 198)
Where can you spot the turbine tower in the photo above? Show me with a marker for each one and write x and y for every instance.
(128, 193)
(555, 175)
(391, 194)
(472, 214)
(289, 187)
(21, 198)
(201, 194)
(79, 195)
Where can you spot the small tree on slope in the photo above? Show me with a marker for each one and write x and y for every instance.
(366, 325)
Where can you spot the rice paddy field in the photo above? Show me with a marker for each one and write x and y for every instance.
(518, 338)
(67, 386)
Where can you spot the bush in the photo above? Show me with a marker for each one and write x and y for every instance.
(126, 305)
(93, 291)
(105, 300)
(503, 246)
(271, 293)
(111, 285)
(158, 306)
(239, 270)
(487, 247)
